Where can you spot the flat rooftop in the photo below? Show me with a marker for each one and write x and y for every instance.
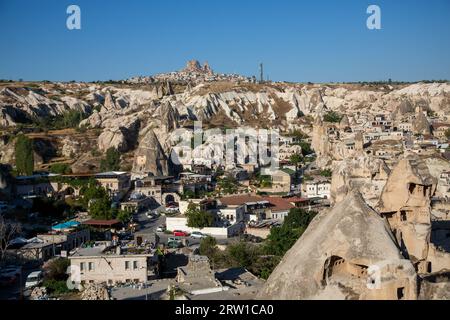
(104, 249)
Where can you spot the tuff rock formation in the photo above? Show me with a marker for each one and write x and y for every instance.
(346, 253)
(421, 124)
(150, 156)
(364, 173)
(405, 202)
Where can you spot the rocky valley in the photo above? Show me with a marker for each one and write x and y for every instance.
(365, 165)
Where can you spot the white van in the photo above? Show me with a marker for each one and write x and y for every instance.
(34, 279)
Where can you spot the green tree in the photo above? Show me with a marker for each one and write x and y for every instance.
(298, 218)
(299, 135)
(97, 201)
(306, 148)
(24, 155)
(124, 215)
(197, 218)
(296, 159)
(228, 185)
(188, 194)
(111, 162)
(93, 191)
(326, 173)
(332, 116)
(281, 239)
(101, 209)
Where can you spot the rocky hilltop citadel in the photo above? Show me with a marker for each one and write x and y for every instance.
(386, 146)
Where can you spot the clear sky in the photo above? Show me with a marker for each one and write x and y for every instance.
(317, 41)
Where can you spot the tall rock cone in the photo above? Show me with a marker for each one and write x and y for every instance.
(331, 259)
(150, 157)
(169, 117)
(421, 124)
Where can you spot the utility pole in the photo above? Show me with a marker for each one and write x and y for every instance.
(261, 73)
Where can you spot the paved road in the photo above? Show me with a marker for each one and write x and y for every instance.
(147, 225)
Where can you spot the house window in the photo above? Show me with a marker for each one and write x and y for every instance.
(127, 265)
(135, 265)
(82, 266)
(91, 266)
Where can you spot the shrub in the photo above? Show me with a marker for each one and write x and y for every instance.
(56, 287)
(60, 168)
(332, 116)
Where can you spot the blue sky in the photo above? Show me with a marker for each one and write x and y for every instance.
(317, 41)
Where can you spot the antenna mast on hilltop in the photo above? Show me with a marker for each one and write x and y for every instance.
(261, 73)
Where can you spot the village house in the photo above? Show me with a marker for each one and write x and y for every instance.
(317, 188)
(161, 188)
(61, 239)
(405, 126)
(36, 185)
(116, 183)
(286, 151)
(137, 202)
(439, 130)
(112, 264)
(280, 182)
(195, 182)
(255, 207)
(278, 208)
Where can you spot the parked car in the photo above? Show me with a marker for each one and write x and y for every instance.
(34, 279)
(198, 235)
(172, 210)
(150, 215)
(179, 233)
(174, 244)
(160, 229)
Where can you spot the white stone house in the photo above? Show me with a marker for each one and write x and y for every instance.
(316, 189)
(108, 264)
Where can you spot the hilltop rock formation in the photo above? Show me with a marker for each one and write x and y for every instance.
(195, 66)
(336, 257)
